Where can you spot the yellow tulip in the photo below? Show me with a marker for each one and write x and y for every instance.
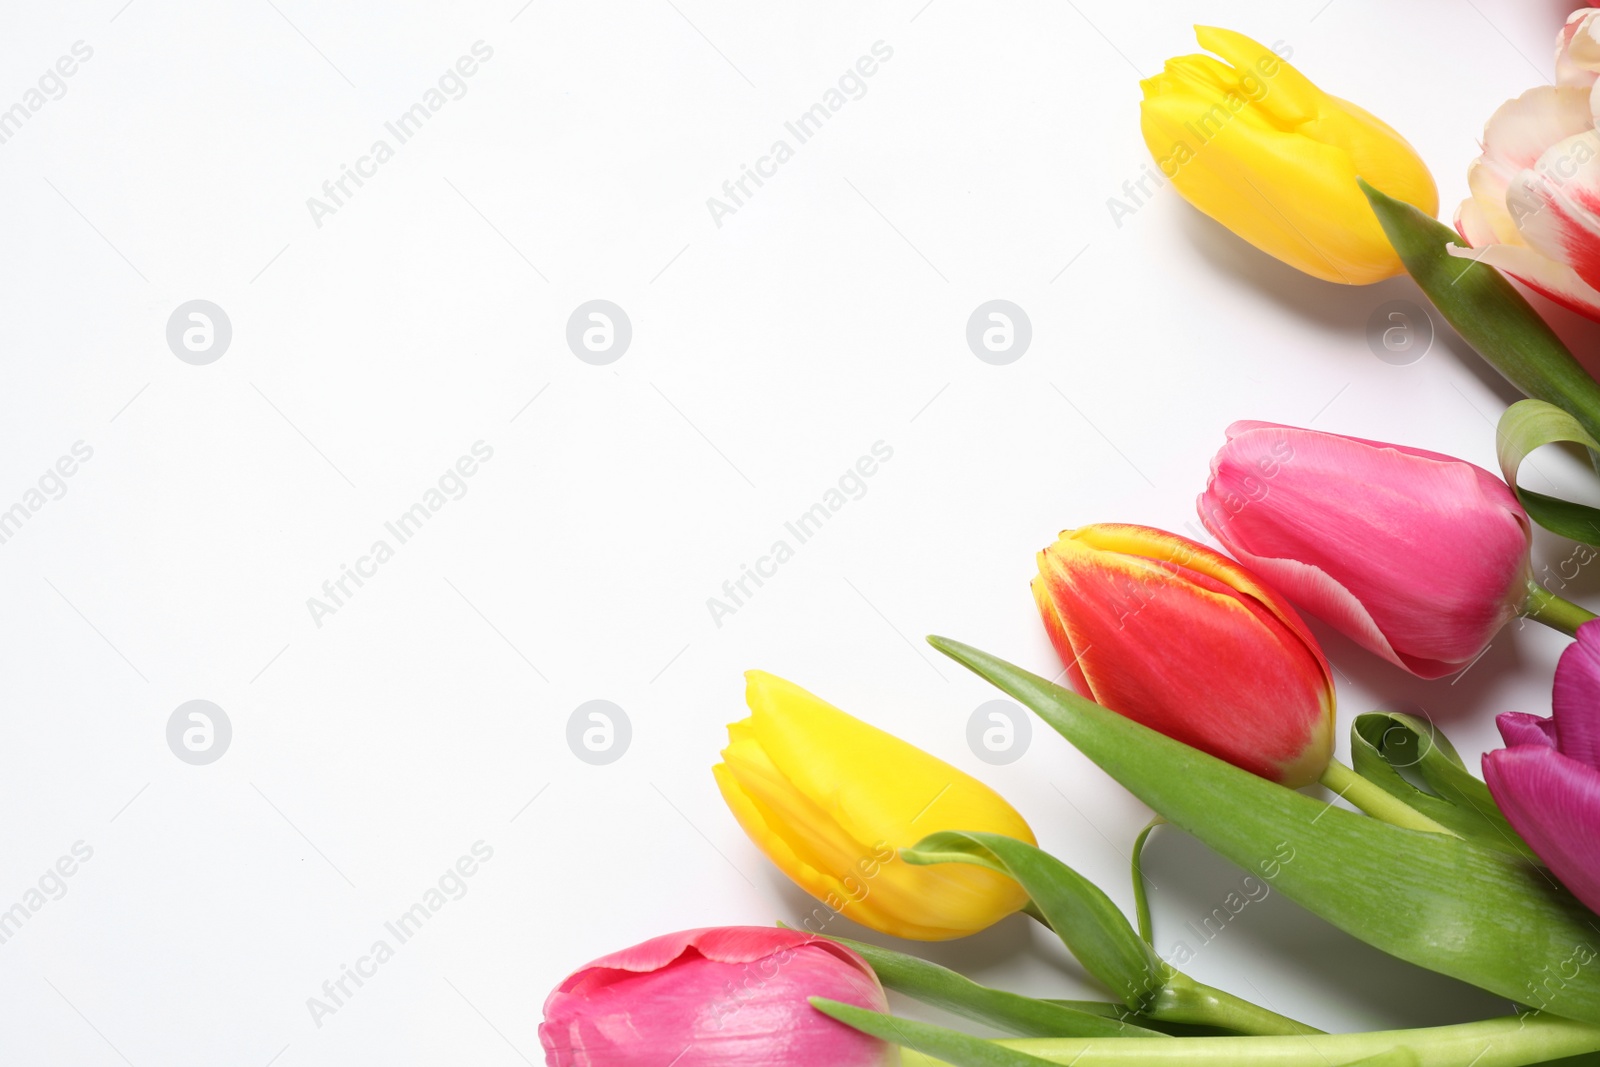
(1252, 143)
(831, 800)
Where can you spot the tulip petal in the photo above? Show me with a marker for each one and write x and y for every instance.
(813, 832)
(1490, 218)
(1124, 612)
(1520, 130)
(803, 736)
(1556, 204)
(1251, 142)
(1473, 224)
(723, 944)
(1292, 101)
(1388, 163)
(766, 830)
(806, 783)
(1576, 697)
(1554, 803)
(713, 998)
(1056, 630)
(1550, 279)
(809, 845)
(1578, 50)
(1520, 728)
(1275, 189)
(1158, 544)
(1515, 138)
(1419, 557)
(1333, 604)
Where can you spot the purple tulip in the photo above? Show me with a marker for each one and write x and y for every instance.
(1547, 779)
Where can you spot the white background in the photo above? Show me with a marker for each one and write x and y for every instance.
(768, 354)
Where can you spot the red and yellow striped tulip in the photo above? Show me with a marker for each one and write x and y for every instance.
(1185, 641)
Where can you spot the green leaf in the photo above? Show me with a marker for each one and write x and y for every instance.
(1488, 312)
(1091, 926)
(1447, 904)
(1529, 425)
(1159, 1026)
(1382, 744)
(950, 1046)
(1095, 931)
(1024, 1016)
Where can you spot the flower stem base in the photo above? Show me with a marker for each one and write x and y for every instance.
(1376, 801)
(1544, 606)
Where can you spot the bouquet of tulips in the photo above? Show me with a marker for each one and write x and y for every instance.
(1417, 557)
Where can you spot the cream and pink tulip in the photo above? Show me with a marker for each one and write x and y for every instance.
(1534, 211)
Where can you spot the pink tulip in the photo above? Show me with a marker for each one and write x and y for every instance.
(1547, 782)
(1536, 187)
(723, 997)
(1416, 556)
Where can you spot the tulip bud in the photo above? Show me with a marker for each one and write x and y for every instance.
(1413, 555)
(1183, 640)
(1547, 779)
(1533, 188)
(724, 997)
(1252, 143)
(831, 801)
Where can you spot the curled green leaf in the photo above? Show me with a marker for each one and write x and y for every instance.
(1525, 427)
(1386, 746)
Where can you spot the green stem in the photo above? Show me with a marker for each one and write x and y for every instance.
(1376, 801)
(1505, 1042)
(1180, 999)
(1544, 606)
(1184, 1000)
(1141, 898)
